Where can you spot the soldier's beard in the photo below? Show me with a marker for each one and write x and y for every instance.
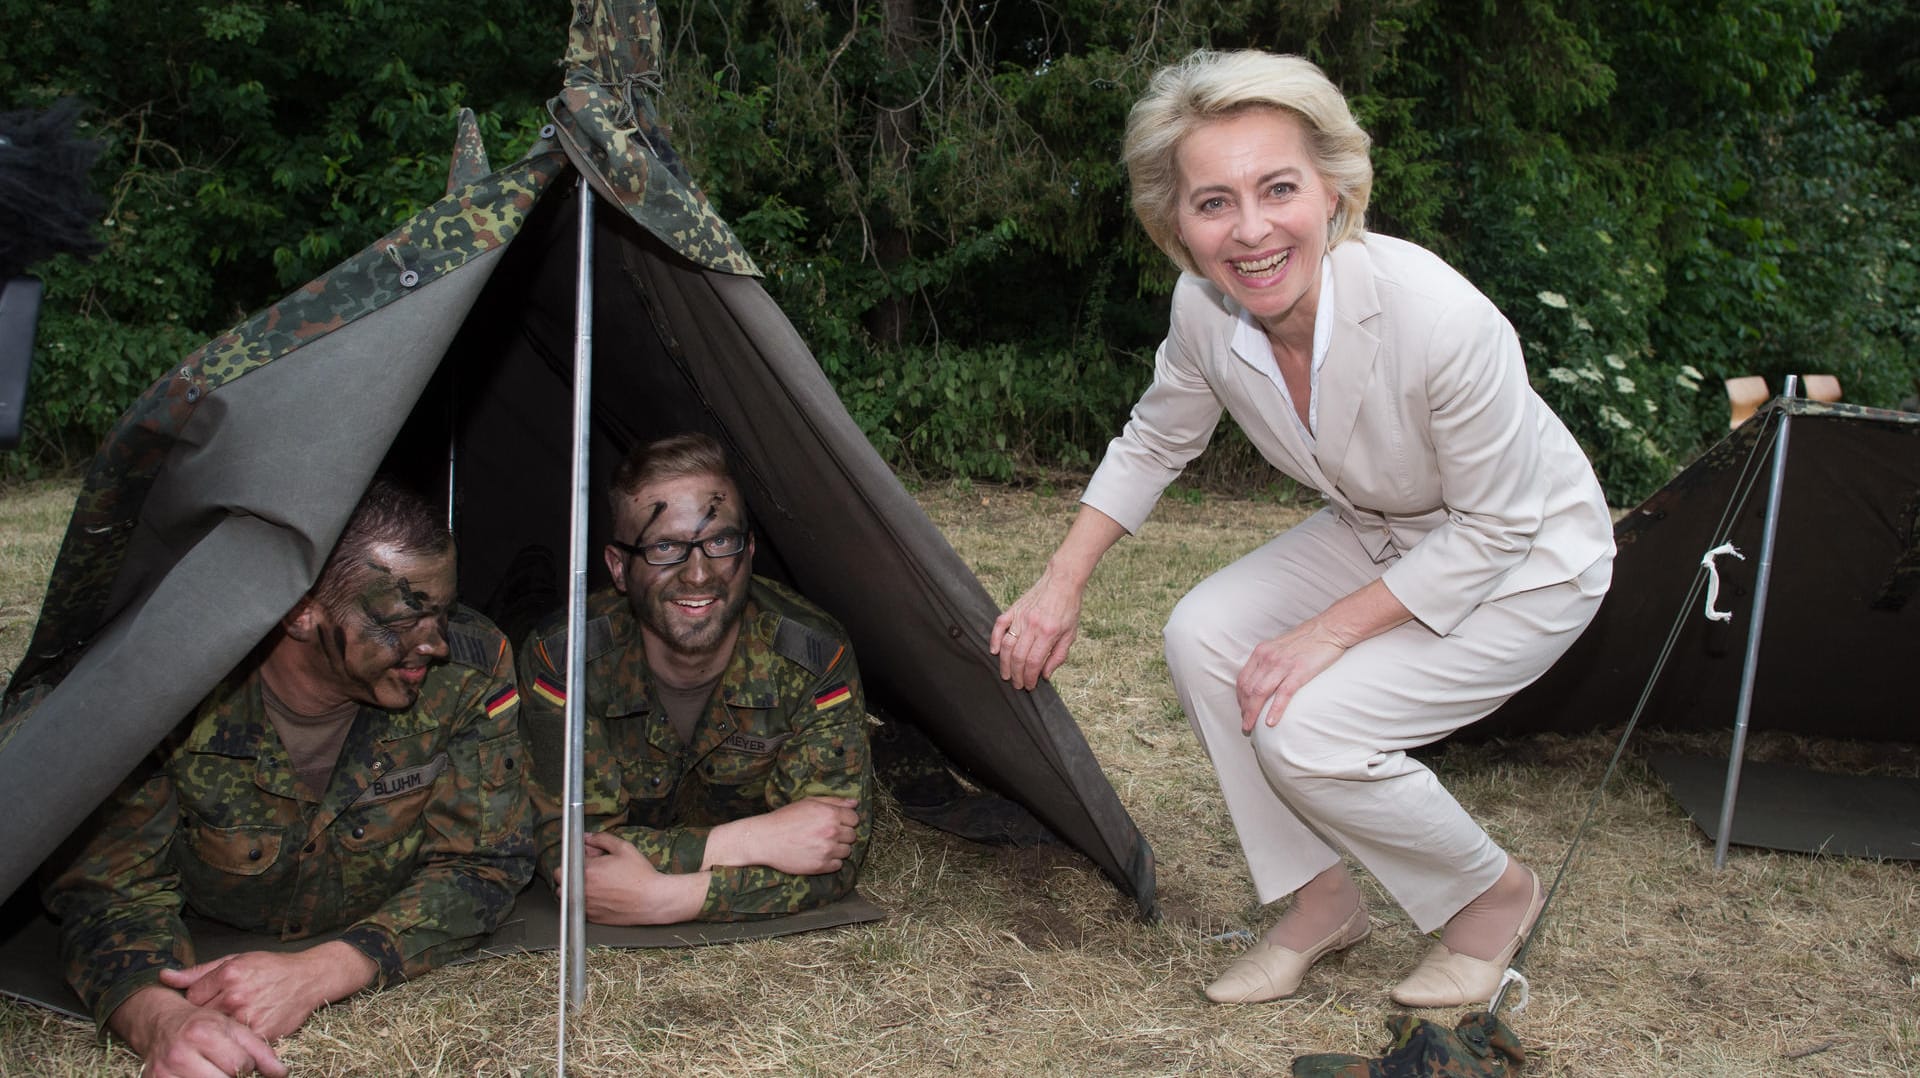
(691, 635)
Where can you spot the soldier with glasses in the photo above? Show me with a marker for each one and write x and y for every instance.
(727, 767)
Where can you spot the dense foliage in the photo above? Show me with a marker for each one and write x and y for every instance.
(248, 146)
(1658, 194)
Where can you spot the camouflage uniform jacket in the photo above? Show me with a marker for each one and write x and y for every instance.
(786, 721)
(418, 846)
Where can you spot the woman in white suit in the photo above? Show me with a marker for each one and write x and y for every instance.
(1464, 545)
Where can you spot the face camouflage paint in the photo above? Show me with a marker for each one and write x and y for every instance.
(379, 648)
(692, 606)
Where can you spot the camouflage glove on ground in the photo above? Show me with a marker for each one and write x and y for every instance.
(1481, 1046)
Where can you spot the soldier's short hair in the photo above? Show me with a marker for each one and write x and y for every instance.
(389, 515)
(677, 455)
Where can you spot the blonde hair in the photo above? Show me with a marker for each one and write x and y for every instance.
(674, 456)
(1209, 86)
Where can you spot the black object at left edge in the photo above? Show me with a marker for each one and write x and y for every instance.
(19, 315)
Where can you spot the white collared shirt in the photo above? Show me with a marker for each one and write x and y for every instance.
(1250, 343)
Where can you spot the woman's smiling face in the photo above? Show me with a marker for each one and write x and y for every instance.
(1253, 212)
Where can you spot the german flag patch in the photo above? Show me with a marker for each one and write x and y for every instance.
(502, 700)
(833, 697)
(550, 692)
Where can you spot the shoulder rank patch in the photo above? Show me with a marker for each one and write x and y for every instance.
(470, 648)
(599, 642)
(833, 697)
(807, 646)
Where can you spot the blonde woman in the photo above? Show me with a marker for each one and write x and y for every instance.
(1465, 542)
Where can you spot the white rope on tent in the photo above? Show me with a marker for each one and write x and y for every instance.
(1711, 561)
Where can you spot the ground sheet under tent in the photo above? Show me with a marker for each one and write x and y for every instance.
(1785, 807)
(30, 967)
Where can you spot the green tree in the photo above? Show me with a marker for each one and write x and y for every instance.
(1658, 195)
(248, 146)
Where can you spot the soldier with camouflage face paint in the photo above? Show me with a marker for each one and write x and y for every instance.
(359, 775)
(727, 766)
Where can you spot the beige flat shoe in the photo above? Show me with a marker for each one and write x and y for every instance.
(1269, 971)
(1447, 978)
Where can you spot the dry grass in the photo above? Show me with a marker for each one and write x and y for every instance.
(33, 517)
(1028, 963)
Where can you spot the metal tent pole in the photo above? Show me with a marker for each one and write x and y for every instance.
(453, 448)
(1751, 664)
(573, 906)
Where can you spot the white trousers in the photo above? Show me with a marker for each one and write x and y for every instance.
(1334, 773)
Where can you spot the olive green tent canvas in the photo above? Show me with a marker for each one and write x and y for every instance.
(443, 353)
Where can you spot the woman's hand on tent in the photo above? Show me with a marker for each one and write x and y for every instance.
(181, 1040)
(1033, 636)
(274, 994)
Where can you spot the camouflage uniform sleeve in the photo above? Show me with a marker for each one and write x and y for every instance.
(543, 726)
(827, 756)
(114, 889)
(478, 851)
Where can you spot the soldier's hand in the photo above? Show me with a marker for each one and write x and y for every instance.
(623, 887)
(180, 1040)
(274, 994)
(809, 837)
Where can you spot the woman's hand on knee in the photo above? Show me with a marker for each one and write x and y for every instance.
(1033, 636)
(1278, 669)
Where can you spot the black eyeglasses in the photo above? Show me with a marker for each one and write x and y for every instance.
(726, 544)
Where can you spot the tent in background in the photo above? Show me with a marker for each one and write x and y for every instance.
(1841, 626)
(1843, 616)
(442, 353)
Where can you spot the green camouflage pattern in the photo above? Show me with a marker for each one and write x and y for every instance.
(606, 118)
(788, 720)
(469, 165)
(614, 40)
(438, 241)
(1480, 1046)
(417, 848)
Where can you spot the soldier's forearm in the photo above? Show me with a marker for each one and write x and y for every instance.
(450, 900)
(731, 843)
(676, 897)
(340, 969)
(137, 1019)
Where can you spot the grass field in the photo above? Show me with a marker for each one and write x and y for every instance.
(1028, 962)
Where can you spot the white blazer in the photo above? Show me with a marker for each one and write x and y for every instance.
(1431, 444)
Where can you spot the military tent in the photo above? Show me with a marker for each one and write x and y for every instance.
(1841, 623)
(442, 352)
